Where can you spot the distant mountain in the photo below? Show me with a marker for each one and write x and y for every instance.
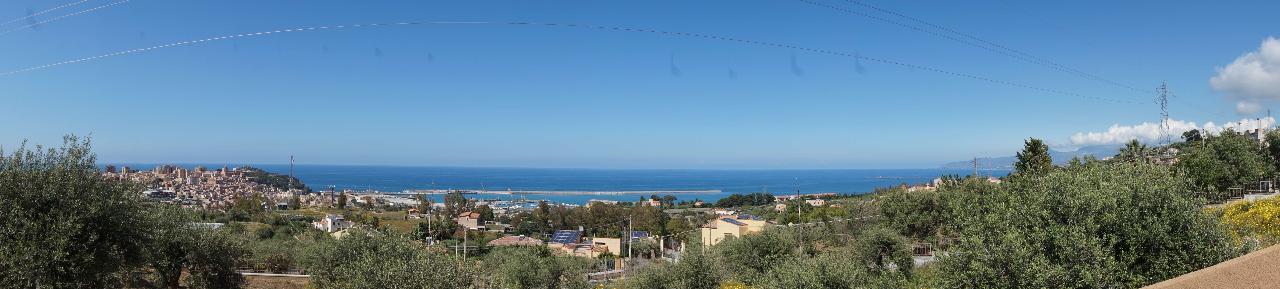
(1059, 157)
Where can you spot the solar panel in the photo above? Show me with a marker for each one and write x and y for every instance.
(732, 221)
(566, 236)
(639, 234)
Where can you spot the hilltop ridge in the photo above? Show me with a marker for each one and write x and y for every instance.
(1059, 158)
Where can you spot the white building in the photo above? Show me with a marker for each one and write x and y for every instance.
(469, 220)
(332, 223)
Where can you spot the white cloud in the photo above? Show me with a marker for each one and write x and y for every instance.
(1151, 132)
(1246, 107)
(1253, 78)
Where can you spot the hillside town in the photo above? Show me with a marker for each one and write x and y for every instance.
(209, 189)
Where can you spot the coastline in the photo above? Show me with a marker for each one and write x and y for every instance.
(552, 192)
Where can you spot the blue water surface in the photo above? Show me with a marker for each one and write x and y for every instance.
(401, 178)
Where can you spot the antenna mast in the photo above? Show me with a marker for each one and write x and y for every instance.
(291, 177)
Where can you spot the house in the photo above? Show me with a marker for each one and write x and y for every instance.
(593, 248)
(594, 201)
(584, 250)
(332, 223)
(928, 187)
(779, 207)
(735, 225)
(724, 212)
(567, 242)
(606, 245)
(816, 202)
(565, 237)
(1166, 156)
(160, 194)
(782, 198)
(469, 220)
(652, 203)
(1259, 134)
(515, 241)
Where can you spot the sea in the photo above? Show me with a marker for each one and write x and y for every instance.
(579, 186)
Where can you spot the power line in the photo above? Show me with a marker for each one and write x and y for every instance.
(969, 39)
(42, 12)
(63, 17)
(964, 38)
(598, 27)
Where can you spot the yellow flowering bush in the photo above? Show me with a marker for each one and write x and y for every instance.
(1257, 219)
(734, 285)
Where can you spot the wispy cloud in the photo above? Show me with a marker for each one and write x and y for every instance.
(1253, 78)
(1152, 132)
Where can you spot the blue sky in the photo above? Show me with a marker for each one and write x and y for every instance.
(536, 96)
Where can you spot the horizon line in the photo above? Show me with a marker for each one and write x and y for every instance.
(237, 164)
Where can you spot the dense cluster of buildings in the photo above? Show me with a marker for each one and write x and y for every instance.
(201, 187)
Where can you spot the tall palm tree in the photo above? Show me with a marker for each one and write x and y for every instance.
(1134, 151)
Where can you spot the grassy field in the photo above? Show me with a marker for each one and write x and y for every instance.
(394, 220)
(259, 282)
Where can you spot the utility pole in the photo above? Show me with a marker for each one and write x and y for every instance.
(662, 246)
(630, 236)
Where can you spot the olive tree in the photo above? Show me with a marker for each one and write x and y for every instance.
(1227, 160)
(697, 269)
(534, 267)
(369, 259)
(748, 257)
(1118, 225)
(212, 260)
(64, 225)
(836, 269)
(920, 215)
